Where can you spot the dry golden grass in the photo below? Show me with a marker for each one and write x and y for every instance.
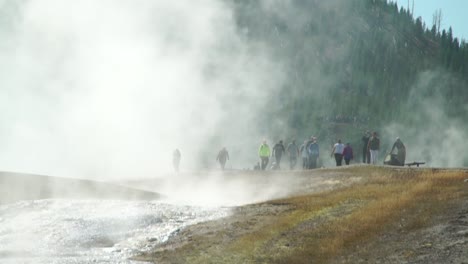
(362, 212)
(386, 198)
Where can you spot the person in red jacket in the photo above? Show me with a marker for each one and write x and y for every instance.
(348, 153)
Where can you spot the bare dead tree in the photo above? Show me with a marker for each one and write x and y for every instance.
(437, 19)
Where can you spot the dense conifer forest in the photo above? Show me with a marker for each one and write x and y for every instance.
(366, 62)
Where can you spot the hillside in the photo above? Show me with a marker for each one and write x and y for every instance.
(369, 215)
(350, 66)
(352, 59)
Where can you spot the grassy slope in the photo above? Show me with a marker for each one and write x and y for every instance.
(320, 228)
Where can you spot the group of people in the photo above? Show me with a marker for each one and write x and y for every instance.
(222, 158)
(277, 152)
(370, 151)
(371, 148)
(342, 151)
(309, 151)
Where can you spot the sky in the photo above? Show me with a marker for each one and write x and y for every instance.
(453, 13)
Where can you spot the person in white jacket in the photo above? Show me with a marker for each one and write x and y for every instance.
(337, 150)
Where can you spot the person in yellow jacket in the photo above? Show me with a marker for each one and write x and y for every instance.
(264, 154)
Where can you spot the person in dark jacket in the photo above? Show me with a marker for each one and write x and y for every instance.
(293, 152)
(309, 158)
(278, 151)
(222, 157)
(314, 153)
(348, 153)
(305, 155)
(365, 150)
(374, 147)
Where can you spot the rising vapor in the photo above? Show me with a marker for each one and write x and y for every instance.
(109, 88)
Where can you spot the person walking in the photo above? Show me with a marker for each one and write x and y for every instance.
(337, 151)
(264, 154)
(309, 159)
(365, 150)
(278, 151)
(314, 153)
(305, 155)
(176, 156)
(222, 157)
(293, 152)
(348, 153)
(373, 147)
(401, 151)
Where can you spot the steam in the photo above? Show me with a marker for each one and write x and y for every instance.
(110, 88)
(433, 136)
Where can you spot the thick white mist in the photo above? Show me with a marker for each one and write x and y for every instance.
(434, 136)
(103, 89)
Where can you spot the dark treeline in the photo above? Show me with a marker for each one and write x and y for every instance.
(359, 60)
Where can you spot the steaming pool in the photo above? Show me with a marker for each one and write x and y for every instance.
(91, 231)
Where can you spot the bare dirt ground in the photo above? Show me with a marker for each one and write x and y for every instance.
(443, 238)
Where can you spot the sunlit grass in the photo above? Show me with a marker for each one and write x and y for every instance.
(363, 212)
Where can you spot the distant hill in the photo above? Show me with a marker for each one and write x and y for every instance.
(355, 65)
(358, 59)
(20, 186)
